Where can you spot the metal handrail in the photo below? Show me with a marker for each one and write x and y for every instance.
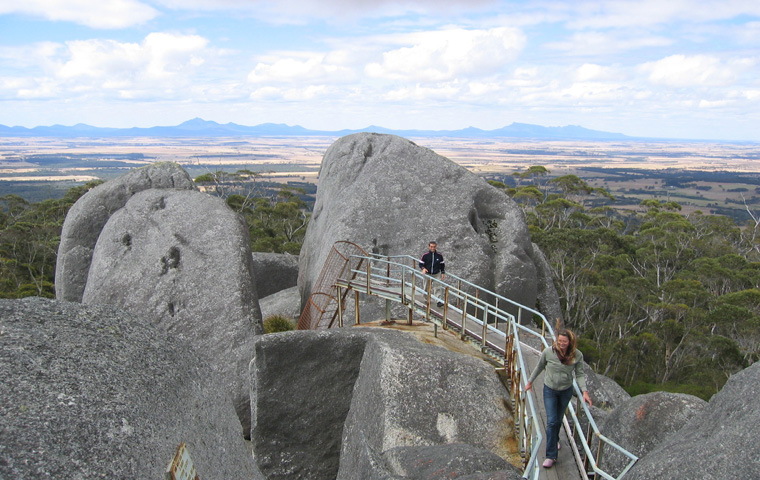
(406, 277)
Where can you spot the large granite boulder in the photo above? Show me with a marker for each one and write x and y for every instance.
(274, 272)
(391, 196)
(352, 395)
(90, 391)
(641, 423)
(409, 394)
(89, 214)
(181, 259)
(721, 442)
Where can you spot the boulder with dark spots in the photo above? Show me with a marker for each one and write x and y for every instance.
(92, 392)
(89, 214)
(181, 259)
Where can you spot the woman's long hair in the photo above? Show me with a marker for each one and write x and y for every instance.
(567, 358)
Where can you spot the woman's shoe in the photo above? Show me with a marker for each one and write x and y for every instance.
(549, 463)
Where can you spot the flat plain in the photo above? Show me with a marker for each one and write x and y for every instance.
(710, 176)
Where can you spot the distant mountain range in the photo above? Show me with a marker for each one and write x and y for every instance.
(198, 127)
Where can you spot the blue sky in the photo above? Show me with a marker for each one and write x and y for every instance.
(658, 68)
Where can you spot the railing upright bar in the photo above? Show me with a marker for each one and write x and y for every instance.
(483, 341)
(340, 308)
(356, 307)
(446, 308)
(428, 294)
(463, 333)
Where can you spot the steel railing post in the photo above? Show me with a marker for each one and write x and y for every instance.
(403, 286)
(484, 342)
(356, 307)
(428, 293)
(340, 307)
(463, 333)
(446, 308)
(369, 275)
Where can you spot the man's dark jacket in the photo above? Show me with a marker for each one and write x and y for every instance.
(433, 262)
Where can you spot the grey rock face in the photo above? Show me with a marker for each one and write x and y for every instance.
(301, 388)
(409, 394)
(442, 462)
(605, 392)
(548, 299)
(644, 421)
(274, 272)
(721, 442)
(90, 213)
(333, 402)
(181, 259)
(388, 195)
(92, 392)
(285, 302)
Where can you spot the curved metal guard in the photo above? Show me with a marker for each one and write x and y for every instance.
(321, 308)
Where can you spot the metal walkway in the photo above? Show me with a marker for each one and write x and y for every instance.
(496, 325)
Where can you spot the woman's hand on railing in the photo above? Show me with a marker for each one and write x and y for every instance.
(586, 398)
(529, 385)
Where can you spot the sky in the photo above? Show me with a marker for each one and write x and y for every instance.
(687, 69)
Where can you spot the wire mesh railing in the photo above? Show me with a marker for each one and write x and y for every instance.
(323, 304)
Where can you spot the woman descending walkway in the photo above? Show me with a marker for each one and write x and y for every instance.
(560, 361)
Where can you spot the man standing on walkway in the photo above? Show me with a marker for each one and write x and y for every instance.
(432, 264)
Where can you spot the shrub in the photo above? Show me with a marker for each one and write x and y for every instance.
(278, 323)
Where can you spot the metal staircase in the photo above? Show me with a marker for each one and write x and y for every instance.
(510, 333)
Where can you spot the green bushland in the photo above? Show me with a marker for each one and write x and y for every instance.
(29, 238)
(278, 323)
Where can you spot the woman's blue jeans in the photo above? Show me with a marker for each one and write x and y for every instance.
(555, 402)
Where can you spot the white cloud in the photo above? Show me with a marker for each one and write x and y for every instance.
(301, 11)
(310, 92)
(610, 14)
(593, 72)
(300, 67)
(160, 65)
(446, 54)
(419, 93)
(691, 71)
(103, 14)
(159, 56)
(599, 43)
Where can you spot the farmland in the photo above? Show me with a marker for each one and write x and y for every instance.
(711, 177)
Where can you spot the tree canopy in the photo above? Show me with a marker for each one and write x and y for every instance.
(661, 300)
